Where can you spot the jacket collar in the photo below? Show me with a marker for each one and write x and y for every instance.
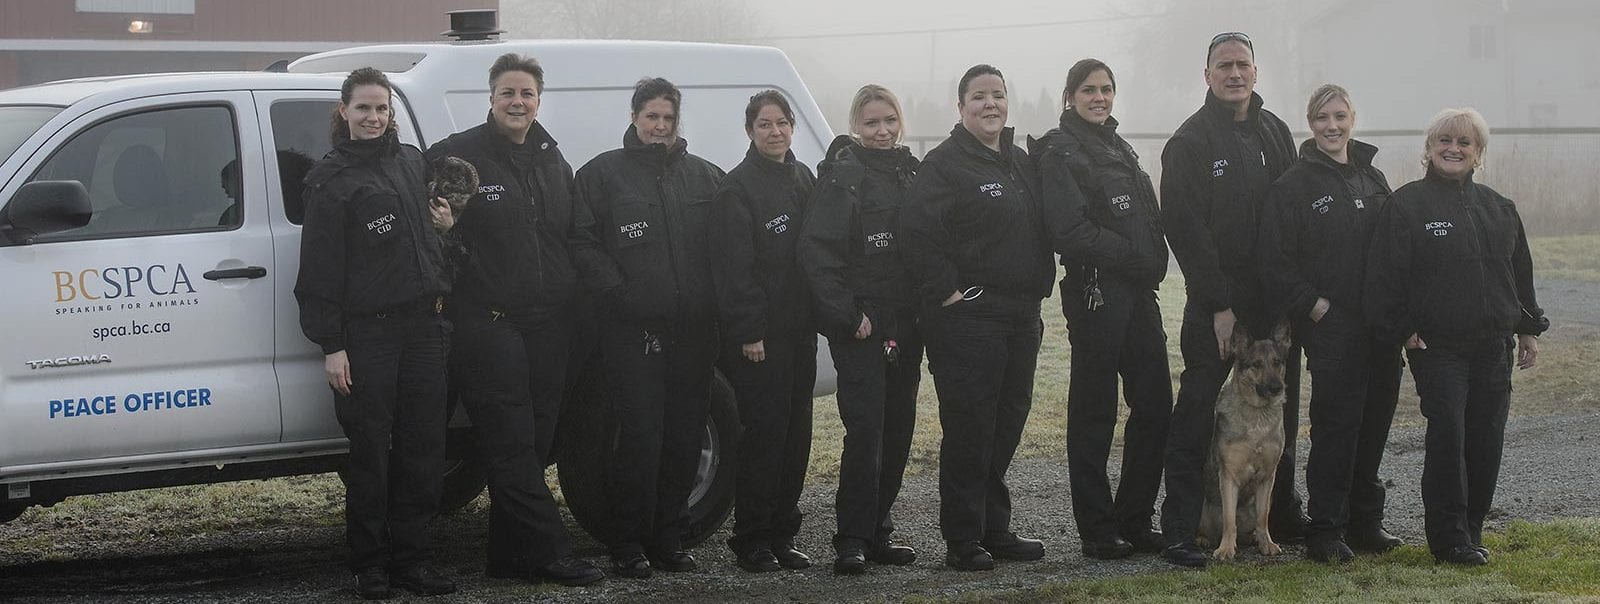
(1219, 110)
(654, 154)
(1071, 121)
(538, 139)
(1361, 154)
(1453, 185)
(755, 157)
(354, 151)
(969, 143)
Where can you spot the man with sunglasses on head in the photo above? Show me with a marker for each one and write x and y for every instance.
(1216, 170)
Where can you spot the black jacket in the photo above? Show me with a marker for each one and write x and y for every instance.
(510, 243)
(849, 248)
(756, 221)
(1317, 228)
(367, 244)
(645, 210)
(1099, 205)
(1450, 260)
(974, 220)
(1214, 178)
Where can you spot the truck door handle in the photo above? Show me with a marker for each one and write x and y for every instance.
(248, 272)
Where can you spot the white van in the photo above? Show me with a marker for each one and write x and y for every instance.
(149, 237)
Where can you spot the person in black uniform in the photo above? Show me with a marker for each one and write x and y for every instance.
(1315, 233)
(371, 277)
(769, 344)
(1215, 173)
(866, 309)
(1101, 211)
(1449, 274)
(975, 243)
(648, 205)
(512, 311)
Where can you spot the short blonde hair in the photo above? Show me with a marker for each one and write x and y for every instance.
(868, 94)
(1328, 93)
(1465, 120)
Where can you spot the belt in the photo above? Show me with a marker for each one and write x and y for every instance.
(426, 305)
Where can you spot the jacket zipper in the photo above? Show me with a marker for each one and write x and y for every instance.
(1482, 241)
(666, 223)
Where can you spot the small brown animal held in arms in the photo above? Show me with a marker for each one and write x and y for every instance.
(456, 180)
(1246, 443)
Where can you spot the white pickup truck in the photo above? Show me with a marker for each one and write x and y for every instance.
(149, 237)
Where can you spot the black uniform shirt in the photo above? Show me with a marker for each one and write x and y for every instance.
(974, 220)
(850, 246)
(1450, 260)
(646, 209)
(757, 217)
(510, 243)
(367, 245)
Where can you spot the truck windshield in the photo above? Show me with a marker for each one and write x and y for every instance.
(17, 123)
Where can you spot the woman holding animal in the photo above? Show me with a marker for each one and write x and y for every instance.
(1449, 274)
(981, 261)
(371, 275)
(512, 308)
(1316, 229)
(1100, 208)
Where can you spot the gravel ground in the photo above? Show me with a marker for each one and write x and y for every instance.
(1551, 466)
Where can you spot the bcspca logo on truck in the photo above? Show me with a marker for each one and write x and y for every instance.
(122, 288)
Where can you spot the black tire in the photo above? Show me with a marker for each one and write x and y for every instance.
(9, 512)
(588, 436)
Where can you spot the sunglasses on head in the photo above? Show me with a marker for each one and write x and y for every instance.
(1230, 36)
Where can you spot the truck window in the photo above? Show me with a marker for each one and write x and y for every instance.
(154, 173)
(300, 134)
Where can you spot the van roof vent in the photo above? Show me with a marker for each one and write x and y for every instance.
(473, 25)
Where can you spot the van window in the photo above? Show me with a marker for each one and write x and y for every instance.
(300, 133)
(153, 173)
(19, 123)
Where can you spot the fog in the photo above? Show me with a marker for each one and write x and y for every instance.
(1530, 66)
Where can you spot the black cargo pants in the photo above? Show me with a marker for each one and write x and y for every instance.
(774, 399)
(1355, 384)
(1194, 416)
(1122, 338)
(878, 406)
(659, 397)
(982, 353)
(1465, 387)
(394, 418)
(510, 373)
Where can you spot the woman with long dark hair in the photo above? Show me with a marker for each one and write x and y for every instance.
(371, 278)
(866, 308)
(1101, 210)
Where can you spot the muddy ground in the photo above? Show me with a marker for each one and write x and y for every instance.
(1552, 464)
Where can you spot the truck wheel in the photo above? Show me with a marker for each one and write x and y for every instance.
(589, 436)
(9, 512)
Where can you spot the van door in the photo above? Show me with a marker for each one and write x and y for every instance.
(148, 331)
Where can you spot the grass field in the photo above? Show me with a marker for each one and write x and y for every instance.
(1555, 561)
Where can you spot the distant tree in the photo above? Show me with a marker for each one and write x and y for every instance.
(684, 20)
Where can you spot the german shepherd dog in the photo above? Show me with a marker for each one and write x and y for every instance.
(1246, 443)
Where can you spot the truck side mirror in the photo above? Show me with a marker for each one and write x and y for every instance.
(42, 207)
